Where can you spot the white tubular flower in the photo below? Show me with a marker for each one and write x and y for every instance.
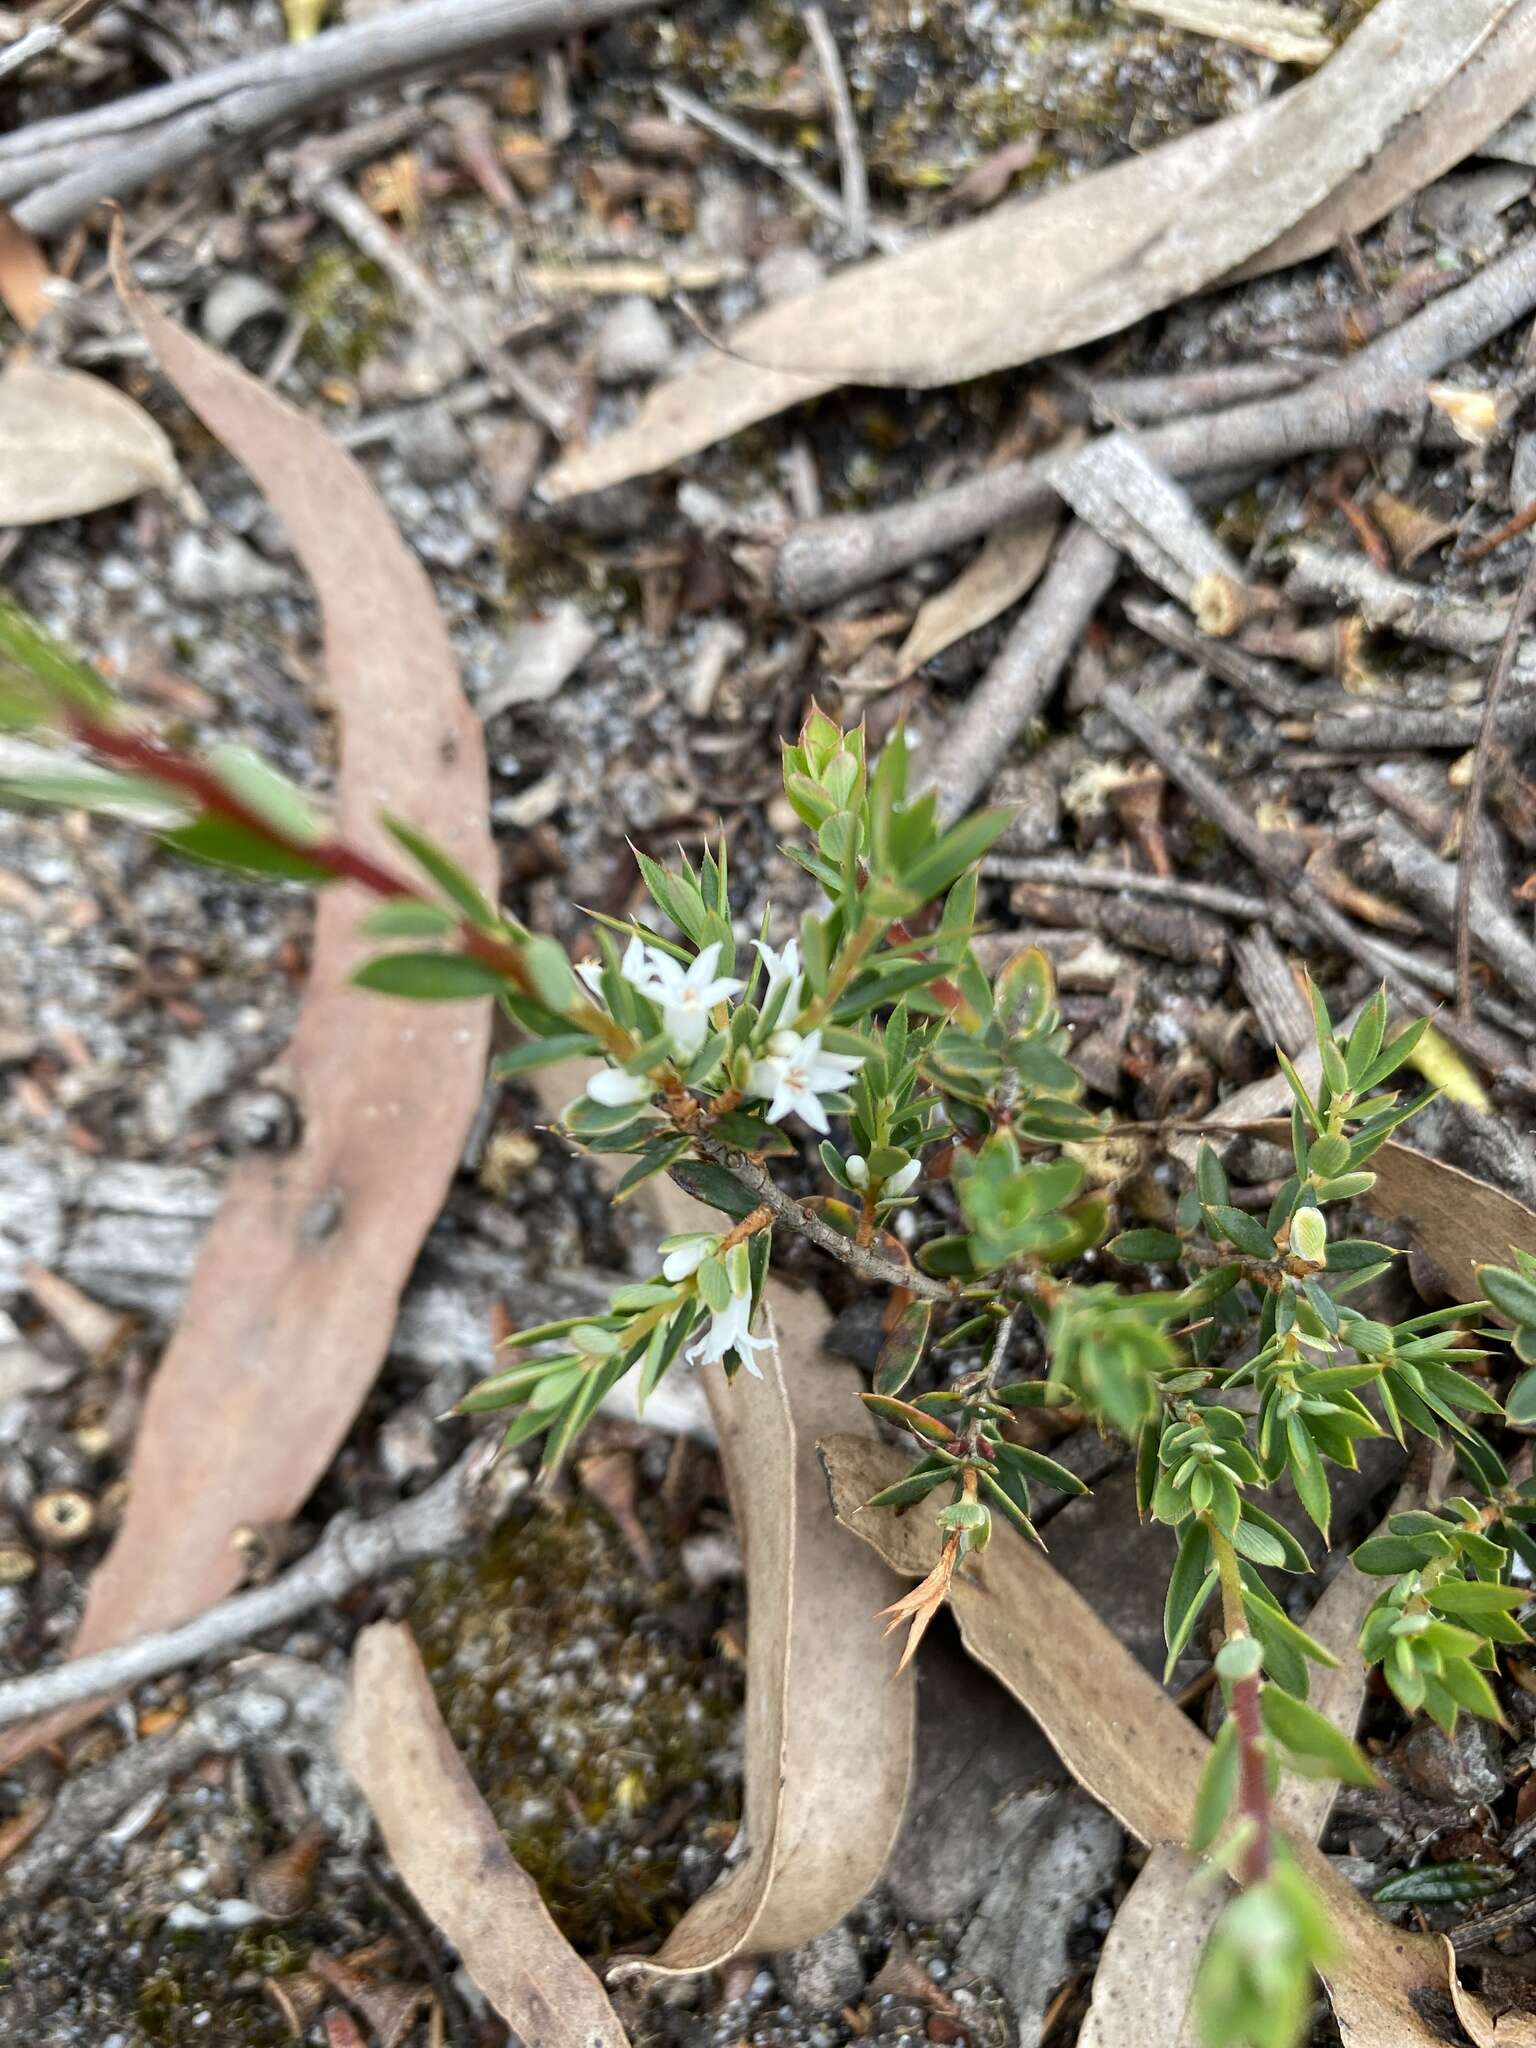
(685, 996)
(613, 1089)
(797, 1073)
(856, 1166)
(902, 1179)
(730, 1330)
(685, 1254)
(783, 972)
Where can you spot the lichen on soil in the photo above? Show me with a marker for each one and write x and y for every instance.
(604, 1745)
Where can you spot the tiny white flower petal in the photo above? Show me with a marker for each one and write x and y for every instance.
(591, 972)
(687, 1258)
(685, 1025)
(903, 1178)
(613, 1089)
(784, 1045)
(811, 1112)
(763, 1079)
(632, 967)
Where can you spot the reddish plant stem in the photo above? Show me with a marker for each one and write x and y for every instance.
(1252, 1776)
(1252, 1783)
(141, 754)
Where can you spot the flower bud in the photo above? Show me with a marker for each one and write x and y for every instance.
(902, 1178)
(614, 1089)
(856, 1166)
(1239, 1657)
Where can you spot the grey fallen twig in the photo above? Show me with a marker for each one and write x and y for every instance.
(736, 135)
(830, 557)
(1300, 891)
(854, 177)
(37, 42)
(1477, 789)
(170, 127)
(1394, 857)
(1081, 574)
(1417, 611)
(465, 1501)
(286, 1702)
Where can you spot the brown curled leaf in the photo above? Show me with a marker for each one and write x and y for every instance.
(828, 1727)
(292, 1305)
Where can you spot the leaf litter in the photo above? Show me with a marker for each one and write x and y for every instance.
(69, 442)
(308, 1254)
(1402, 100)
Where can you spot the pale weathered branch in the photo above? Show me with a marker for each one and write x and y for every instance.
(466, 1500)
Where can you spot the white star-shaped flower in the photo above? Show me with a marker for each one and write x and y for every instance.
(796, 1073)
(730, 1330)
(783, 972)
(685, 996)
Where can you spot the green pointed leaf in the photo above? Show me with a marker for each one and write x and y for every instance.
(458, 887)
(223, 844)
(1218, 1789)
(407, 919)
(902, 1351)
(909, 1417)
(1145, 1247)
(429, 977)
(1035, 1465)
(1306, 1733)
(271, 796)
(1307, 1472)
(1242, 1230)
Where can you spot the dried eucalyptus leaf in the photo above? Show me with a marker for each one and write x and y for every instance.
(71, 443)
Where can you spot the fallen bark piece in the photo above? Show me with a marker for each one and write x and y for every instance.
(293, 1301)
(70, 443)
(1117, 1731)
(448, 1850)
(1108, 248)
(829, 1724)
